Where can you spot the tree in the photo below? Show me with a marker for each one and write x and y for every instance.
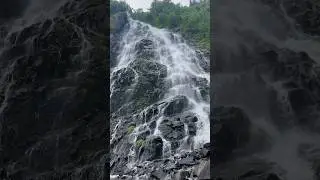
(119, 6)
(193, 22)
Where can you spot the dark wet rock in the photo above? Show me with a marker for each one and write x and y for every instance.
(273, 176)
(118, 22)
(300, 99)
(202, 171)
(144, 105)
(158, 174)
(190, 118)
(192, 129)
(146, 87)
(306, 14)
(207, 146)
(150, 85)
(153, 125)
(172, 129)
(205, 152)
(145, 48)
(143, 135)
(203, 85)
(190, 121)
(146, 67)
(151, 112)
(124, 78)
(187, 161)
(175, 145)
(51, 93)
(283, 88)
(200, 81)
(204, 60)
(3, 173)
(171, 168)
(233, 133)
(176, 106)
(181, 175)
(152, 149)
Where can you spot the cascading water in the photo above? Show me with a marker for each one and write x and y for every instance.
(185, 91)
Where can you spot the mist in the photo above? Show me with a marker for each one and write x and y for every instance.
(242, 31)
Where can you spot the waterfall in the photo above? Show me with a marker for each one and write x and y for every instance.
(158, 56)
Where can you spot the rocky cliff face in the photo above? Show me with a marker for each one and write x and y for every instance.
(159, 104)
(266, 84)
(53, 76)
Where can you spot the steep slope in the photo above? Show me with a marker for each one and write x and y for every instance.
(267, 89)
(159, 104)
(53, 76)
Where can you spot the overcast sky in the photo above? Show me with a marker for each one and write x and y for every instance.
(145, 4)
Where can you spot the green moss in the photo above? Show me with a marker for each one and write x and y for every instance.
(140, 143)
(131, 129)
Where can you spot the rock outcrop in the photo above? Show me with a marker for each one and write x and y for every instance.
(266, 89)
(53, 74)
(153, 131)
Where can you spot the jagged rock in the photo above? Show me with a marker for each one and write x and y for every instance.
(118, 22)
(152, 149)
(153, 111)
(306, 14)
(285, 88)
(187, 161)
(172, 130)
(203, 61)
(153, 125)
(143, 135)
(148, 86)
(176, 106)
(158, 174)
(146, 67)
(190, 121)
(181, 175)
(233, 133)
(202, 171)
(300, 99)
(51, 89)
(124, 79)
(160, 122)
(145, 49)
(192, 129)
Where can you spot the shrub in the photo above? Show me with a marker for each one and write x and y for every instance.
(140, 143)
(131, 129)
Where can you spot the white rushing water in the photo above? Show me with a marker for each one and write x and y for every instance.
(183, 66)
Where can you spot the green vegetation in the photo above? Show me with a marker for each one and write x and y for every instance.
(140, 143)
(119, 6)
(192, 22)
(131, 129)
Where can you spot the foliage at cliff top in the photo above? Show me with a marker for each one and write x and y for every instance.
(119, 6)
(192, 22)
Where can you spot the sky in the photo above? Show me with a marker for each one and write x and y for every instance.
(145, 4)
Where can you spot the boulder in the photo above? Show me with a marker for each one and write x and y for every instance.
(152, 149)
(172, 130)
(233, 133)
(176, 106)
